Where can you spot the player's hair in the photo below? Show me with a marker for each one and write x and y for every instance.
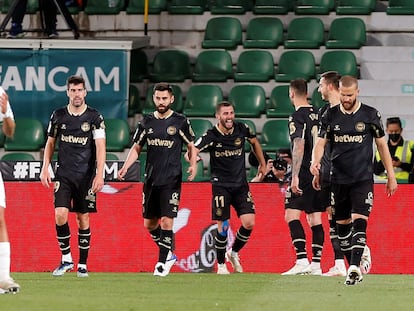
(394, 120)
(348, 81)
(223, 104)
(75, 80)
(331, 77)
(162, 86)
(299, 86)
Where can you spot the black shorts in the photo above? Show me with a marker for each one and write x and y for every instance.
(324, 196)
(75, 194)
(160, 201)
(356, 198)
(308, 201)
(238, 197)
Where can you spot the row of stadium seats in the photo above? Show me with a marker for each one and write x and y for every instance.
(267, 32)
(273, 7)
(251, 66)
(201, 99)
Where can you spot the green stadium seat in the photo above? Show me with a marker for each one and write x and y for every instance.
(200, 126)
(346, 33)
(170, 66)
(272, 7)
(187, 6)
(99, 7)
(201, 100)
(223, 32)
(355, 7)
(254, 66)
(142, 162)
(280, 105)
(314, 7)
(31, 8)
(213, 66)
(199, 177)
(230, 6)
(344, 62)
(17, 156)
(400, 7)
(177, 105)
(117, 135)
(249, 100)
(111, 157)
(263, 33)
(295, 64)
(275, 135)
(154, 6)
(28, 136)
(305, 33)
(134, 101)
(316, 99)
(139, 66)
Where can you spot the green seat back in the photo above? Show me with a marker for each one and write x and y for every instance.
(199, 177)
(117, 134)
(99, 7)
(316, 99)
(346, 33)
(187, 6)
(230, 6)
(344, 62)
(111, 157)
(249, 100)
(200, 126)
(154, 6)
(273, 7)
(170, 66)
(201, 100)
(254, 66)
(305, 33)
(28, 136)
(264, 33)
(400, 7)
(31, 8)
(314, 7)
(213, 66)
(222, 32)
(295, 64)
(280, 105)
(355, 7)
(275, 135)
(134, 101)
(17, 156)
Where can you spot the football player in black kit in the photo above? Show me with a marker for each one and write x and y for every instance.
(351, 129)
(225, 142)
(165, 132)
(300, 196)
(79, 131)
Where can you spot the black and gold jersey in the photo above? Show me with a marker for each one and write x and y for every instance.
(164, 138)
(75, 136)
(227, 154)
(351, 139)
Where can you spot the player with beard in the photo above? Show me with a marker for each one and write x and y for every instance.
(351, 128)
(225, 142)
(165, 132)
(79, 130)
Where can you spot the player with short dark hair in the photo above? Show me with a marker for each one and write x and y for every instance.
(79, 131)
(164, 132)
(351, 128)
(225, 143)
(300, 195)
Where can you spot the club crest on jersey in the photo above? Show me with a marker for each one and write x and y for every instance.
(85, 127)
(360, 126)
(237, 142)
(171, 130)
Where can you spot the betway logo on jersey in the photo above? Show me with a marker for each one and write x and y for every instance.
(228, 153)
(74, 140)
(348, 138)
(160, 142)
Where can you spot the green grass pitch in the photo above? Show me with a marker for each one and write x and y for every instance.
(188, 292)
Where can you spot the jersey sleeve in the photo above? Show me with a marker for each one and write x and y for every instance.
(377, 127)
(140, 134)
(52, 127)
(98, 127)
(324, 128)
(187, 132)
(296, 126)
(205, 141)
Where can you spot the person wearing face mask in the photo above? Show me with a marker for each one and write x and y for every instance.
(401, 151)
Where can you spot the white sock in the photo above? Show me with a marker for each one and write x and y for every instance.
(302, 261)
(67, 258)
(82, 266)
(315, 265)
(4, 260)
(340, 263)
